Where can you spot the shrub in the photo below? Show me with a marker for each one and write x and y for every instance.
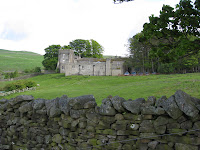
(11, 75)
(26, 71)
(15, 74)
(19, 85)
(37, 70)
(7, 76)
(30, 84)
(9, 87)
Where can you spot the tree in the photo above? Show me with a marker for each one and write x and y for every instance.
(169, 42)
(87, 48)
(51, 57)
(169, 34)
(66, 47)
(81, 47)
(96, 49)
(139, 54)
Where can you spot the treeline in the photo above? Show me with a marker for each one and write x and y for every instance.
(84, 48)
(169, 43)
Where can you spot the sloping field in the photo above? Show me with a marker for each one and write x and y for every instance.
(19, 60)
(128, 87)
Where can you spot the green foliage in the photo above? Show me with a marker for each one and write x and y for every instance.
(34, 70)
(30, 84)
(168, 33)
(11, 75)
(37, 70)
(51, 51)
(15, 74)
(19, 85)
(80, 46)
(96, 49)
(50, 64)
(166, 68)
(7, 76)
(51, 57)
(139, 54)
(87, 48)
(66, 47)
(27, 71)
(9, 87)
(172, 37)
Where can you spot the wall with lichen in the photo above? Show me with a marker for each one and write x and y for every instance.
(78, 123)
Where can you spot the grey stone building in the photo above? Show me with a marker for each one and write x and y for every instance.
(70, 64)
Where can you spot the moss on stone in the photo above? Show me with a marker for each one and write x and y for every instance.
(109, 132)
(57, 119)
(178, 131)
(16, 147)
(66, 124)
(92, 142)
(53, 144)
(57, 138)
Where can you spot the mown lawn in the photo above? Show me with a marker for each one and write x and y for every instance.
(19, 60)
(128, 87)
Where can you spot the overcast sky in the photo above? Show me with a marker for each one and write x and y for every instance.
(33, 25)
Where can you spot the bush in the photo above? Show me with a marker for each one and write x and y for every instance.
(9, 87)
(16, 74)
(19, 85)
(7, 76)
(26, 71)
(11, 75)
(37, 70)
(30, 84)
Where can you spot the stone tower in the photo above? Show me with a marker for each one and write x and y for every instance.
(65, 57)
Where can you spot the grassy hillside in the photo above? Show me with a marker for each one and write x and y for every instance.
(129, 87)
(19, 60)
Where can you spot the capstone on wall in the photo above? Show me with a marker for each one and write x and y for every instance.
(79, 124)
(70, 64)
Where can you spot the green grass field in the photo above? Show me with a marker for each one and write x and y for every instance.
(128, 87)
(19, 60)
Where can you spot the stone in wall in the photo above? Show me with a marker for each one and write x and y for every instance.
(133, 105)
(117, 103)
(170, 106)
(185, 103)
(107, 108)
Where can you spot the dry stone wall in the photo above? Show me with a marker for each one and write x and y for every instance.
(79, 124)
(17, 91)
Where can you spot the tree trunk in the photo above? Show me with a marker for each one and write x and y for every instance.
(152, 65)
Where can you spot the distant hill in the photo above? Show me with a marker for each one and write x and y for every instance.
(19, 60)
